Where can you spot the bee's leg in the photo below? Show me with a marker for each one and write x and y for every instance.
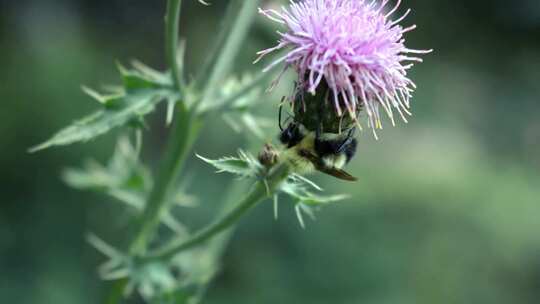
(347, 141)
(322, 147)
(352, 132)
(280, 110)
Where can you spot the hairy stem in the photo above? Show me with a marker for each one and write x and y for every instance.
(260, 191)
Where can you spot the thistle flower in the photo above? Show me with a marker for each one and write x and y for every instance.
(354, 48)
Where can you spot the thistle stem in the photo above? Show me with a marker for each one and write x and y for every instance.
(188, 123)
(184, 134)
(231, 47)
(261, 190)
(172, 20)
(181, 139)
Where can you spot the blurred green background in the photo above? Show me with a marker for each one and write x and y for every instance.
(447, 209)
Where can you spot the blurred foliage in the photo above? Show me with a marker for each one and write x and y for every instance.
(446, 209)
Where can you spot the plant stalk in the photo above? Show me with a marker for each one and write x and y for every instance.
(261, 190)
(182, 138)
(232, 45)
(188, 123)
(172, 20)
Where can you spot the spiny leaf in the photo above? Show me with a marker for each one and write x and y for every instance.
(124, 172)
(151, 280)
(294, 189)
(300, 178)
(317, 200)
(235, 98)
(299, 216)
(300, 209)
(171, 103)
(307, 210)
(94, 176)
(254, 124)
(241, 122)
(306, 202)
(137, 202)
(143, 77)
(301, 194)
(232, 122)
(181, 63)
(276, 205)
(134, 106)
(103, 99)
(228, 164)
(156, 76)
(183, 199)
(142, 89)
(104, 248)
(245, 165)
(126, 180)
(237, 94)
(241, 94)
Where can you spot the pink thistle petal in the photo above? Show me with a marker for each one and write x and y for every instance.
(355, 47)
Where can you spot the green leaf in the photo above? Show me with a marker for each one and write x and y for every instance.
(245, 121)
(143, 87)
(275, 200)
(236, 99)
(182, 199)
(126, 180)
(116, 294)
(245, 165)
(94, 177)
(174, 297)
(164, 79)
(107, 100)
(306, 202)
(171, 104)
(299, 216)
(237, 94)
(137, 202)
(256, 125)
(143, 77)
(294, 189)
(318, 200)
(103, 247)
(301, 194)
(301, 179)
(124, 172)
(133, 107)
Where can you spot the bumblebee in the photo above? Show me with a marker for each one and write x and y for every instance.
(310, 150)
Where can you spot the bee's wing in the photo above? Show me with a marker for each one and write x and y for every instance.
(333, 171)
